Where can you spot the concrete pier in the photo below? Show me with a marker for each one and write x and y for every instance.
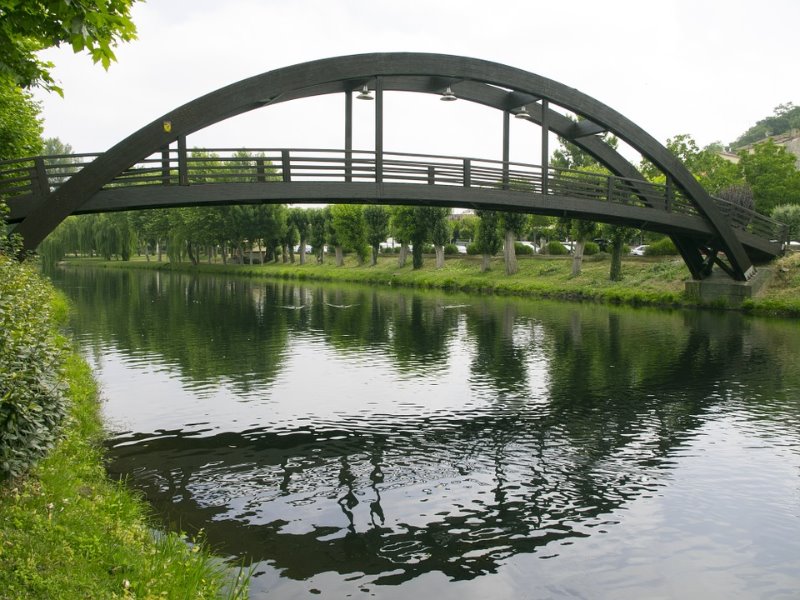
(719, 289)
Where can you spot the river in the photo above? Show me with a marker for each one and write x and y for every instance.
(358, 442)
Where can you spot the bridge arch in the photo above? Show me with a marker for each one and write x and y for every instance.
(505, 88)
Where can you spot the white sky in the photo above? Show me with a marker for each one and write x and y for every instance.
(710, 68)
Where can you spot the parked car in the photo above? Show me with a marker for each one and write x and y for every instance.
(640, 250)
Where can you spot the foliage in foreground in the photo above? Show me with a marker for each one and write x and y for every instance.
(32, 401)
(66, 531)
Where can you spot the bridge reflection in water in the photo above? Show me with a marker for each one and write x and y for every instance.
(410, 434)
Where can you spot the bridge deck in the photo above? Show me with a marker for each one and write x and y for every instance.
(226, 176)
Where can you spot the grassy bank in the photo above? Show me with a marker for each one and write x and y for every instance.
(654, 282)
(66, 531)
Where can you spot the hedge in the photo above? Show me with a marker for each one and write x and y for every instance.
(32, 399)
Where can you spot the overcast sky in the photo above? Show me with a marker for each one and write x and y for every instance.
(710, 68)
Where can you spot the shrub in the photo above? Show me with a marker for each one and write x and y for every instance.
(789, 214)
(521, 249)
(32, 400)
(472, 249)
(451, 250)
(590, 249)
(556, 248)
(663, 247)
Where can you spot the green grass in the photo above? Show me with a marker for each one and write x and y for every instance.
(646, 281)
(67, 531)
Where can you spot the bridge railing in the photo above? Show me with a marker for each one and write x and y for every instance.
(749, 220)
(39, 175)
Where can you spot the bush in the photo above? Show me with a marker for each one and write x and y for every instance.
(472, 249)
(32, 400)
(789, 214)
(663, 247)
(522, 249)
(556, 248)
(451, 250)
(590, 249)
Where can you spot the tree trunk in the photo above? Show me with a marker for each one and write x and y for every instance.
(375, 255)
(616, 261)
(224, 253)
(401, 258)
(339, 256)
(158, 250)
(251, 253)
(210, 254)
(190, 253)
(486, 262)
(510, 253)
(302, 252)
(147, 251)
(577, 257)
(416, 256)
(291, 253)
(439, 256)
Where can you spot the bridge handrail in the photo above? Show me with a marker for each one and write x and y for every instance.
(753, 222)
(29, 176)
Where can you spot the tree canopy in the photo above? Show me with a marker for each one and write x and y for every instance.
(28, 26)
(785, 117)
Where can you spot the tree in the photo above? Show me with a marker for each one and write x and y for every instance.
(618, 235)
(318, 231)
(513, 225)
(785, 117)
(95, 26)
(581, 231)
(440, 232)
(376, 220)
(402, 227)
(300, 219)
(712, 171)
(770, 171)
(20, 125)
(487, 238)
(347, 220)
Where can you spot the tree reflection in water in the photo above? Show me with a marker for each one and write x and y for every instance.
(568, 413)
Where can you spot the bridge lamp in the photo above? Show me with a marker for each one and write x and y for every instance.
(448, 95)
(523, 113)
(364, 95)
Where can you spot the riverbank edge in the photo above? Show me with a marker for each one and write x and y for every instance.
(618, 293)
(68, 531)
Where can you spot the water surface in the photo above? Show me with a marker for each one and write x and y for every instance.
(354, 442)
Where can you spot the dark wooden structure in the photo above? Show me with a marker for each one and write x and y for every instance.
(151, 168)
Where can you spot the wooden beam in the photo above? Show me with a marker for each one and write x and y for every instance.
(348, 135)
(585, 128)
(378, 129)
(545, 145)
(506, 146)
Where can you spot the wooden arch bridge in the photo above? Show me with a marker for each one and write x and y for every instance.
(153, 169)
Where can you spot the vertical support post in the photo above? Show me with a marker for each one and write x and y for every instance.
(183, 166)
(378, 129)
(467, 172)
(40, 184)
(165, 166)
(610, 189)
(260, 172)
(670, 194)
(286, 166)
(348, 135)
(506, 145)
(545, 147)
(431, 175)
